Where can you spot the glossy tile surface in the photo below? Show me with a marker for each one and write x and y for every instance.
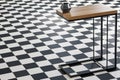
(34, 40)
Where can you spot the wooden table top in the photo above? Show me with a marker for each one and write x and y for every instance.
(89, 11)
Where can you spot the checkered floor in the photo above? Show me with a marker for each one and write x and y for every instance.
(34, 40)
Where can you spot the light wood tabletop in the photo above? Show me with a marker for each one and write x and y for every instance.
(89, 11)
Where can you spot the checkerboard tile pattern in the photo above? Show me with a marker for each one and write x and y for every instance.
(34, 40)
(81, 68)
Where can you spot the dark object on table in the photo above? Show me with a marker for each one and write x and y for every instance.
(65, 7)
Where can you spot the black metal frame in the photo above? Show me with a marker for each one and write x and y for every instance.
(96, 59)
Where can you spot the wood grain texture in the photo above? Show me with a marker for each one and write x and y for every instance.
(89, 11)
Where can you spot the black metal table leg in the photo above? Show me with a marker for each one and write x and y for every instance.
(116, 41)
(107, 45)
(93, 40)
(101, 38)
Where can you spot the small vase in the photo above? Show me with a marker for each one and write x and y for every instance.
(65, 7)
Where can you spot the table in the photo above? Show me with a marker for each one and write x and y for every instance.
(93, 11)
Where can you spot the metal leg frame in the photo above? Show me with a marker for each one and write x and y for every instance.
(95, 59)
(101, 38)
(115, 41)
